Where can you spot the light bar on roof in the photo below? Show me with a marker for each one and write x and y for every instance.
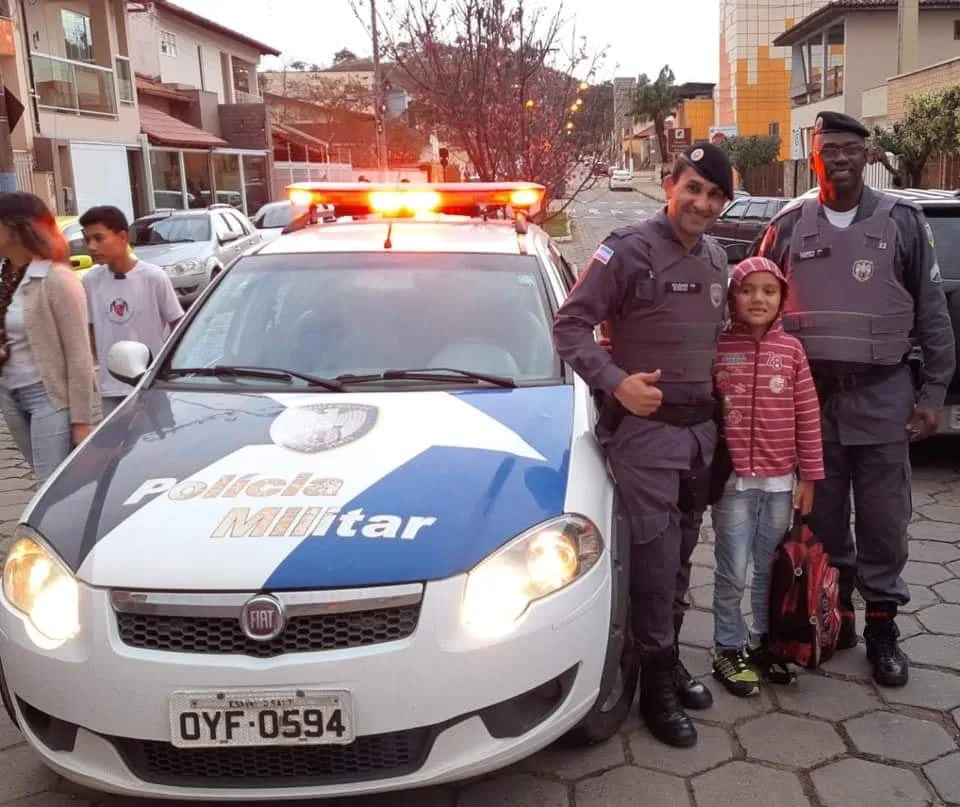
(407, 198)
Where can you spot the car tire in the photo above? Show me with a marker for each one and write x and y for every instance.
(618, 687)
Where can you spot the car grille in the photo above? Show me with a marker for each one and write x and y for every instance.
(374, 757)
(303, 634)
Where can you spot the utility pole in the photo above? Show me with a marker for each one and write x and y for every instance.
(378, 99)
(908, 35)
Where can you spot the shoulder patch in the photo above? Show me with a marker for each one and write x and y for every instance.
(603, 254)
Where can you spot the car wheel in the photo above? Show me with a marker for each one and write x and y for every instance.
(621, 673)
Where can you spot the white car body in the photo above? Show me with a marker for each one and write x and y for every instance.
(434, 702)
(621, 180)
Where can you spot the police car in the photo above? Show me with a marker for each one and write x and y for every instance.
(350, 533)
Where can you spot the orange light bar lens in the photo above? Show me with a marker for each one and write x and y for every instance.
(301, 197)
(527, 197)
(412, 201)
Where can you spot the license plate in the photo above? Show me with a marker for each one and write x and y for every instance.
(260, 717)
(955, 418)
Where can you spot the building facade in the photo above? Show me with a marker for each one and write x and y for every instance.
(753, 93)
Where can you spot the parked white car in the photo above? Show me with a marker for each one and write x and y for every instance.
(621, 179)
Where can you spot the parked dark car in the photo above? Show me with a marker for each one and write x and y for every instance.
(743, 220)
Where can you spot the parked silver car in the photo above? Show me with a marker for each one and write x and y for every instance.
(193, 245)
(273, 217)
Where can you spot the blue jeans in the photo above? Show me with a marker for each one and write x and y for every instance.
(748, 522)
(41, 432)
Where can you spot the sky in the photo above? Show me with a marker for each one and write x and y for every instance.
(640, 36)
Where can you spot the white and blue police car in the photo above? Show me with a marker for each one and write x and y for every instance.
(351, 532)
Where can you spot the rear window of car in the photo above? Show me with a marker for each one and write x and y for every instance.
(336, 314)
(945, 223)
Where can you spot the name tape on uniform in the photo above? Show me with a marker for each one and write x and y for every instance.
(674, 287)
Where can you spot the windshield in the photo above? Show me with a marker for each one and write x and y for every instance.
(945, 224)
(277, 215)
(170, 230)
(334, 314)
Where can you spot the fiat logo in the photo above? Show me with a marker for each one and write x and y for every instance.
(263, 618)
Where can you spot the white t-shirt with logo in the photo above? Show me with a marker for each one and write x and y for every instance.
(139, 307)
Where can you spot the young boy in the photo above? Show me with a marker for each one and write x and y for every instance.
(771, 423)
(126, 298)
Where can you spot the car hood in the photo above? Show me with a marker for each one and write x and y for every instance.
(169, 254)
(204, 490)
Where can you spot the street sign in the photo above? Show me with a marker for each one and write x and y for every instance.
(678, 139)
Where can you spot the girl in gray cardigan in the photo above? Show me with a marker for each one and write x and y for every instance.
(48, 389)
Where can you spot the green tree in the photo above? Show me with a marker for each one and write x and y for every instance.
(344, 55)
(931, 124)
(751, 151)
(656, 101)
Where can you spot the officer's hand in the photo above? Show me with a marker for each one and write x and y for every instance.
(803, 497)
(638, 394)
(923, 424)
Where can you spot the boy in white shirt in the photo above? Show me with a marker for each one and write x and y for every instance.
(126, 297)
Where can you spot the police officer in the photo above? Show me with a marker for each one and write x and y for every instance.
(864, 281)
(660, 288)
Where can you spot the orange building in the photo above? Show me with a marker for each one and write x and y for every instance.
(753, 94)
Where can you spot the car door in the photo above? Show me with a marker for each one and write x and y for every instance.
(726, 227)
(251, 235)
(229, 237)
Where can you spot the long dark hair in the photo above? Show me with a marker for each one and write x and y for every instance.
(34, 226)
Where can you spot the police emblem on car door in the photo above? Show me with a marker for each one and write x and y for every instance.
(863, 270)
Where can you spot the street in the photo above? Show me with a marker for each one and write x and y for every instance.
(833, 740)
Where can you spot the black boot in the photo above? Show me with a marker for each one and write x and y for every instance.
(693, 694)
(890, 665)
(848, 622)
(659, 703)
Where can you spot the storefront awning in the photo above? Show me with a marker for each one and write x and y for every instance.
(165, 130)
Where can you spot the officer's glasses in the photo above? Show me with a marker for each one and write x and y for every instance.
(851, 150)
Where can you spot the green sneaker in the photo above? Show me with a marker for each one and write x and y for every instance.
(731, 669)
(772, 669)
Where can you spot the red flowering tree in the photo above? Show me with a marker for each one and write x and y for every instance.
(495, 81)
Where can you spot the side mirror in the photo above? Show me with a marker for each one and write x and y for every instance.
(128, 361)
(226, 239)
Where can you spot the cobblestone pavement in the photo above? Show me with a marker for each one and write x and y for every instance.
(832, 740)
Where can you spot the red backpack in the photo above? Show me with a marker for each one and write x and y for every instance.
(804, 599)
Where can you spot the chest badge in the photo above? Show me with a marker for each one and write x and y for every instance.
(716, 294)
(863, 270)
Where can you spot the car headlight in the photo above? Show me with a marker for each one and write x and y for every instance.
(37, 583)
(190, 267)
(537, 563)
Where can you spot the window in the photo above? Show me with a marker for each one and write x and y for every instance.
(239, 221)
(77, 36)
(774, 206)
(735, 211)
(170, 230)
(956, 29)
(773, 129)
(332, 314)
(168, 44)
(756, 211)
(225, 229)
(835, 48)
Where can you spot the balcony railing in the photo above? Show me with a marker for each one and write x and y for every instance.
(125, 86)
(67, 86)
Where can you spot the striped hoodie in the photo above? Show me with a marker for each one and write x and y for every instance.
(771, 411)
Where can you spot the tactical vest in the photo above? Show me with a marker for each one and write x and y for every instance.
(672, 317)
(846, 303)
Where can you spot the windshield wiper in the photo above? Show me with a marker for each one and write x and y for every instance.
(275, 373)
(438, 374)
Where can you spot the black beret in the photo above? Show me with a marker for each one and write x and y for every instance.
(828, 122)
(712, 163)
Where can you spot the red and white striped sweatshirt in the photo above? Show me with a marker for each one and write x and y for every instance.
(771, 409)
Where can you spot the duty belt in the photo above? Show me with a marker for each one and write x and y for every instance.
(829, 384)
(613, 412)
